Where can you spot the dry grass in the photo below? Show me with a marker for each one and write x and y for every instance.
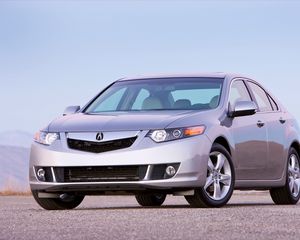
(7, 192)
(12, 187)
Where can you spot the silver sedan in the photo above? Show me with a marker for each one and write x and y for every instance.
(199, 136)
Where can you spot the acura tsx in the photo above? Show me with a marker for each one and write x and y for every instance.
(199, 136)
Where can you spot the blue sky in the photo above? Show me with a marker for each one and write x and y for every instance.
(55, 54)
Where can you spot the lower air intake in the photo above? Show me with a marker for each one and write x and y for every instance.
(100, 174)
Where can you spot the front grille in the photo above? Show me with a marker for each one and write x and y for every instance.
(99, 147)
(100, 174)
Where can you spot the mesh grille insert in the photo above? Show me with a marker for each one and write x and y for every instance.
(98, 147)
(100, 174)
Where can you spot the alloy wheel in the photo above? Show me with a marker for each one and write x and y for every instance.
(294, 175)
(218, 181)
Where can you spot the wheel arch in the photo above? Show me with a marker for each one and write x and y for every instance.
(223, 141)
(295, 144)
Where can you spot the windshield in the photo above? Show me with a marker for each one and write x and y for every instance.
(159, 94)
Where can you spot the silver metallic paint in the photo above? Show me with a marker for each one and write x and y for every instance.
(259, 154)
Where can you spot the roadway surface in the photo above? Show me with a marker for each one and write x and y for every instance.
(247, 216)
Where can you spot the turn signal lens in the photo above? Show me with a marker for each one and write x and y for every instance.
(194, 131)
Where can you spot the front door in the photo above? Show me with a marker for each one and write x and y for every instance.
(276, 123)
(250, 137)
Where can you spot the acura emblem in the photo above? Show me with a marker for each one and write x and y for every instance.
(99, 136)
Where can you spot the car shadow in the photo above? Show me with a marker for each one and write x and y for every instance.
(248, 204)
(230, 205)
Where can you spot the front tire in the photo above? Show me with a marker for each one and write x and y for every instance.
(219, 181)
(65, 201)
(150, 200)
(290, 192)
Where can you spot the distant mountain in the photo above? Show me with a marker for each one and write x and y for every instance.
(14, 164)
(16, 139)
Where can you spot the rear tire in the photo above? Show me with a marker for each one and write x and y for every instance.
(150, 200)
(219, 182)
(290, 193)
(66, 201)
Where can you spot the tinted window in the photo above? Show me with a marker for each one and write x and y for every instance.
(142, 95)
(238, 92)
(205, 97)
(261, 97)
(110, 101)
(273, 103)
(159, 94)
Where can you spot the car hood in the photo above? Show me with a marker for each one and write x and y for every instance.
(121, 121)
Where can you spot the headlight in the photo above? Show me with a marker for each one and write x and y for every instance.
(164, 135)
(46, 138)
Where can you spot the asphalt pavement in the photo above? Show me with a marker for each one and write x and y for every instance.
(249, 215)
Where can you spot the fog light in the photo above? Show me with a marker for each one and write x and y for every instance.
(41, 174)
(170, 171)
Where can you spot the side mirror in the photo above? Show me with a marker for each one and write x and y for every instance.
(71, 110)
(243, 108)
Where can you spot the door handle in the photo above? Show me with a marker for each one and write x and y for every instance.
(260, 124)
(281, 120)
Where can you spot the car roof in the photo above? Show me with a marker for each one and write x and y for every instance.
(184, 75)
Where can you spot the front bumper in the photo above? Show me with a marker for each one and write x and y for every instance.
(191, 154)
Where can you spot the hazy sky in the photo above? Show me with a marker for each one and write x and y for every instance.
(55, 54)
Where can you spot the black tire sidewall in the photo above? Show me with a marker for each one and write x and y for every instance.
(55, 203)
(148, 200)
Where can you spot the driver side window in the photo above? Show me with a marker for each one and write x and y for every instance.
(238, 92)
